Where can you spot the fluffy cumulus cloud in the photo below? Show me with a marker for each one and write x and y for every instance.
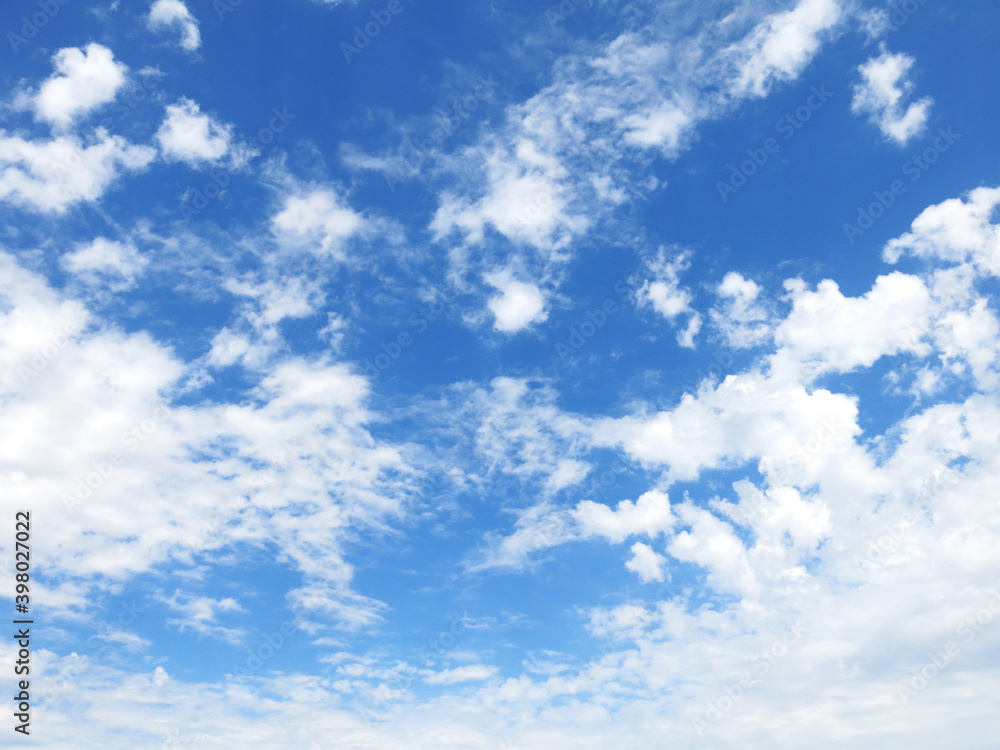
(747, 416)
(881, 96)
(959, 230)
(524, 201)
(827, 331)
(518, 304)
(175, 14)
(649, 515)
(646, 563)
(823, 506)
(317, 218)
(52, 175)
(545, 526)
(84, 80)
(190, 136)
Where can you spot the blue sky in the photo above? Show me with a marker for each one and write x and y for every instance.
(516, 376)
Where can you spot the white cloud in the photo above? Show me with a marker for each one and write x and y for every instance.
(103, 259)
(561, 161)
(524, 200)
(970, 338)
(290, 460)
(537, 529)
(170, 13)
(544, 526)
(518, 305)
(568, 472)
(858, 552)
(189, 136)
(741, 319)
(957, 231)
(200, 614)
(317, 218)
(129, 641)
(256, 338)
(84, 80)
(667, 297)
(53, 175)
(782, 45)
(649, 515)
(519, 431)
(665, 294)
(664, 127)
(874, 21)
(827, 331)
(713, 544)
(642, 90)
(746, 416)
(646, 563)
(469, 673)
(880, 96)
(816, 495)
